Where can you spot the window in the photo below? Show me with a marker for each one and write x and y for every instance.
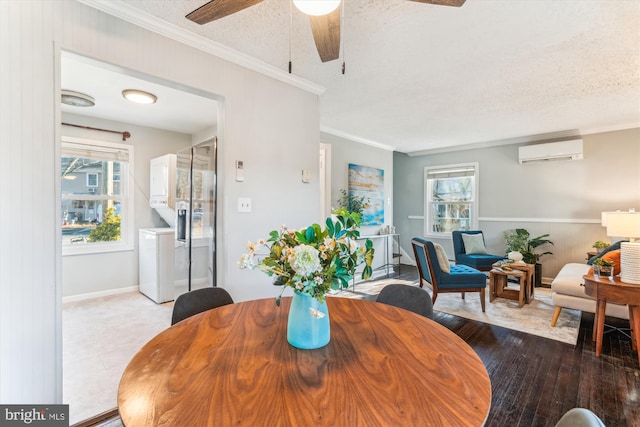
(450, 198)
(96, 196)
(92, 179)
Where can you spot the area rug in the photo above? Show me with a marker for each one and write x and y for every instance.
(533, 318)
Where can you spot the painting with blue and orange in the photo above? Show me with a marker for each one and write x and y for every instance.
(368, 182)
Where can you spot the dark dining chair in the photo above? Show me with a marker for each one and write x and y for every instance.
(460, 278)
(409, 297)
(197, 301)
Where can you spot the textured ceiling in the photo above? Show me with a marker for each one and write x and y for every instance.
(80, 74)
(421, 77)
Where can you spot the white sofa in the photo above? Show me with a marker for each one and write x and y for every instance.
(568, 292)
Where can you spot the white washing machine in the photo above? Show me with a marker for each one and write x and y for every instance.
(156, 263)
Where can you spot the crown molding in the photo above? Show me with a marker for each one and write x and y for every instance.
(545, 137)
(120, 9)
(611, 128)
(354, 138)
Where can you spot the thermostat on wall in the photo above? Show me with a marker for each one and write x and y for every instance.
(239, 170)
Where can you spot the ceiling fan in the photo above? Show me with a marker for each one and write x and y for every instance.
(325, 27)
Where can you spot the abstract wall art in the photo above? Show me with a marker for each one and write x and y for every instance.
(368, 182)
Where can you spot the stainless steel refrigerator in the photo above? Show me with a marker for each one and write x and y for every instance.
(196, 216)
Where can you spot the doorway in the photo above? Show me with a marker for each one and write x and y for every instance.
(105, 318)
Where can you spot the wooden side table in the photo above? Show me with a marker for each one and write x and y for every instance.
(498, 279)
(591, 254)
(604, 290)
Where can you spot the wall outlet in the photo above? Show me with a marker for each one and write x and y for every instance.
(244, 204)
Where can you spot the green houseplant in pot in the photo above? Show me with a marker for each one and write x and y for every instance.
(521, 241)
(603, 268)
(348, 203)
(600, 245)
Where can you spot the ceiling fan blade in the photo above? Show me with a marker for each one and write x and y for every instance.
(326, 33)
(216, 9)
(455, 3)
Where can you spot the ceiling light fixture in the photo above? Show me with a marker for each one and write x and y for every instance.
(139, 96)
(316, 7)
(76, 99)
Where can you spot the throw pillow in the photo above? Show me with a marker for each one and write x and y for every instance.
(443, 260)
(611, 256)
(614, 247)
(473, 243)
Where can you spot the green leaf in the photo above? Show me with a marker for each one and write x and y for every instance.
(367, 272)
(310, 235)
(368, 257)
(338, 229)
(318, 232)
(330, 227)
(301, 237)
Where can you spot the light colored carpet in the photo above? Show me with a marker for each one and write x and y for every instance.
(534, 318)
(99, 337)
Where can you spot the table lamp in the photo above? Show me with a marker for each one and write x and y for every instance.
(627, 225)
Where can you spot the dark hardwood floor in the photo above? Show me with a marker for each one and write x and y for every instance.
(536, 380)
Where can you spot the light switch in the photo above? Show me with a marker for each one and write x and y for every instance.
(306, 176)
(244, 204)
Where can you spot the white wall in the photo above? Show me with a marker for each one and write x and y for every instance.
(343, 152)
(86, 274)
(271, 126)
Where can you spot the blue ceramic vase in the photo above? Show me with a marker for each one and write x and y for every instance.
(308, 325)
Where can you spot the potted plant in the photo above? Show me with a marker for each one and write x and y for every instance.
(600, 245)
(603, 268)
(519, 240)
(348, 203)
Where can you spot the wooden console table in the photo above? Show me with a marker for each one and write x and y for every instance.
(603, 290)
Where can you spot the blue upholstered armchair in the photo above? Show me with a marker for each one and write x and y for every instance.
(479, 261)
(432, 272)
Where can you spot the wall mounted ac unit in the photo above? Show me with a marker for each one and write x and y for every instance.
(91, 190)
(552, 151)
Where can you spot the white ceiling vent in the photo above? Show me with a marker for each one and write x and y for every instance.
(552, 151)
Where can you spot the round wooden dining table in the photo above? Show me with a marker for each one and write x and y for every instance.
(232, 365)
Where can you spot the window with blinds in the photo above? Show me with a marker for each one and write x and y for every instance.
(450, 198)
(96, 198)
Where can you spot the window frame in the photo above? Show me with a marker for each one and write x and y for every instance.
(428, 202)
(93, 174)
(126, 198)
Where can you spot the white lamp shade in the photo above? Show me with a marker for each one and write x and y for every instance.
(316, 7)
(623, 224)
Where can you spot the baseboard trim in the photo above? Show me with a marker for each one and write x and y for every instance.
(99, 294)
(108, 292)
